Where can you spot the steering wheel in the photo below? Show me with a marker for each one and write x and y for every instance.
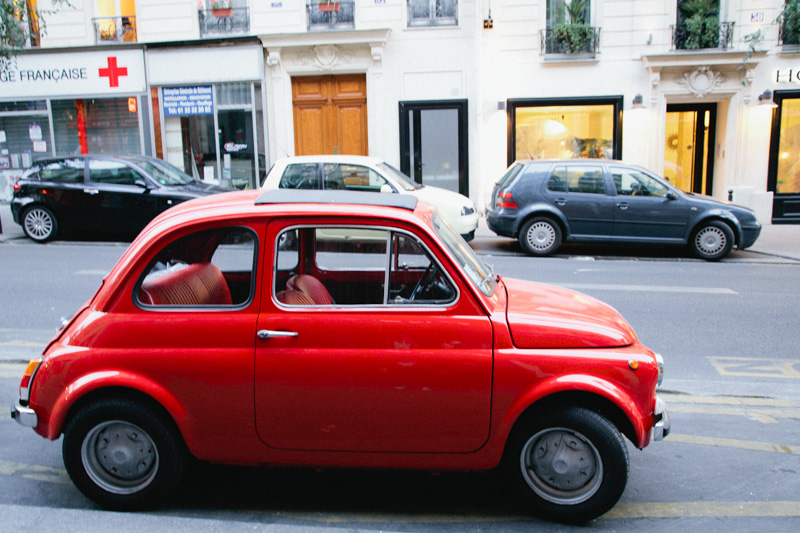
(427, 277)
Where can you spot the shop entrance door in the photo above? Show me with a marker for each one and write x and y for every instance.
(689, 150)
(783, 178)
(330, 114)
(433, 143)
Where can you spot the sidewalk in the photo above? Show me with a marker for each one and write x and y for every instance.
(777, 243)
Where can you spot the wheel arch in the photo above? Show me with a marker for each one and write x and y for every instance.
(542, 210)
(576, 398)
(720, 216)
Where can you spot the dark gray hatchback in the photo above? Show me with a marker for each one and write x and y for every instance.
(104, 194)
(544, 203)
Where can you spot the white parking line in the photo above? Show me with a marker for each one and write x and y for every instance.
(645, 288)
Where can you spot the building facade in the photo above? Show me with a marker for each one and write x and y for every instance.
(706, 94)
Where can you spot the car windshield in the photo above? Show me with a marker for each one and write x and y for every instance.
(481, 274)
(404, 181)
(164, 173)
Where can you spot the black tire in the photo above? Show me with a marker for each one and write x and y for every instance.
(568, 466)
(712, 241)
(39, 223)
(540, 236)
(148, 461)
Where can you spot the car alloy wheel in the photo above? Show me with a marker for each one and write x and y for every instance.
(540, 236)
(712, 241)
(39, 224)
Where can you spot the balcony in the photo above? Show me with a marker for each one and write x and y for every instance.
(333, 15)
(709, 33)
(108, 30)
(789, 34)
(432, 13)
(575, 40)
(224, 22)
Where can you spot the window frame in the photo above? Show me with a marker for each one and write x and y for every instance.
(432, 20)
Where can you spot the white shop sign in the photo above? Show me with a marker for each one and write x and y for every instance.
(74, 74)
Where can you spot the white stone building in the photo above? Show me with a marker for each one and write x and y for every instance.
(451, 91)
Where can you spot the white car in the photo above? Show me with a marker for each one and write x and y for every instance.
(359, 173)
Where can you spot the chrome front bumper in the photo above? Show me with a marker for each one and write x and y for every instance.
(24, 415)
(661, 423)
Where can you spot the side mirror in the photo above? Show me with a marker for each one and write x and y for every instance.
(386, 188)
(140, 182)
(670, 195)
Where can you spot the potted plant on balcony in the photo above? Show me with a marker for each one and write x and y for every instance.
(789, 21)
(221, 8)
(700, 24)
(328, 5)
(576, 35)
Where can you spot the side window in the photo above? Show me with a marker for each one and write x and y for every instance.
(352, 178)
(558, 181)
(66, 171)
(206, 269)
(113, 173)
(299, 176)
(352, 266)
(586, 180)
(631, 182)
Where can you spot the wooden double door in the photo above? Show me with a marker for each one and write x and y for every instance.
(330, 114)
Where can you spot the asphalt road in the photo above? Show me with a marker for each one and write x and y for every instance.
(726, 331)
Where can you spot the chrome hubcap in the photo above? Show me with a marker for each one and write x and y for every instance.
(711, 240)
(561, 466)
(119, 457)
(541, 236)
(38, 224)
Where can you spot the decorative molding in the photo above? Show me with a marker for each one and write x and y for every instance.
(274, 63)
(701, 81)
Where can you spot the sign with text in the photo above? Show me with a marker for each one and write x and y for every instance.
(74, 74)
(187, 101)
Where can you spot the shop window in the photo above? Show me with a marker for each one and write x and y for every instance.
(788, 160)
(565, 129)
(95, 126)
(432, 12)
(22, 138)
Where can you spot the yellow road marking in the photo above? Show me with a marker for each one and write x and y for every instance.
(756, 367)
(709, 509)
(765, 416)
(734, 443)
(673, 398)
(35, 472)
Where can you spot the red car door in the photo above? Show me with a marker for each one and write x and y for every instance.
(400, 374)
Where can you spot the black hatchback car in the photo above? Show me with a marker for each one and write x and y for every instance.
(108, 194)
(544, 203)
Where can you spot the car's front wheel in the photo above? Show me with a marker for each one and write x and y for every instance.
(123, 455)
(712, 241)
(39, 223)
(569, 466)
(540, 236)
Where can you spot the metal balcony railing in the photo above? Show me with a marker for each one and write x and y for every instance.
(711, 34)
(432, 13)
(326, 16)
(229, 21)
(571, 39)
(114, 30)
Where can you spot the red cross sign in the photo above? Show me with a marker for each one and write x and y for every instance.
(113, 72)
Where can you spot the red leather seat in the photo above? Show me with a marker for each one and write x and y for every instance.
(197, 284)
(311, 287)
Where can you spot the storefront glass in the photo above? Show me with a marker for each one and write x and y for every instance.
(788, 179)
(96, 126)
(191, 117)
(24, 133)
(564, 131)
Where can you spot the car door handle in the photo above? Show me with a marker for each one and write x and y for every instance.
(91, 191)
(622, 205)
(561, 201)
(269, 334)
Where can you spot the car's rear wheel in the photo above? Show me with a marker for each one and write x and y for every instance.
(570, 466)
(123, 455)
(540, 236)
(39, 224)
(712, 241)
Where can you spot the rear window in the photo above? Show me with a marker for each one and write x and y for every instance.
(299, 176)
(510, 174)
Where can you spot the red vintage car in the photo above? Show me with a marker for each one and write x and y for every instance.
(343, 330)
